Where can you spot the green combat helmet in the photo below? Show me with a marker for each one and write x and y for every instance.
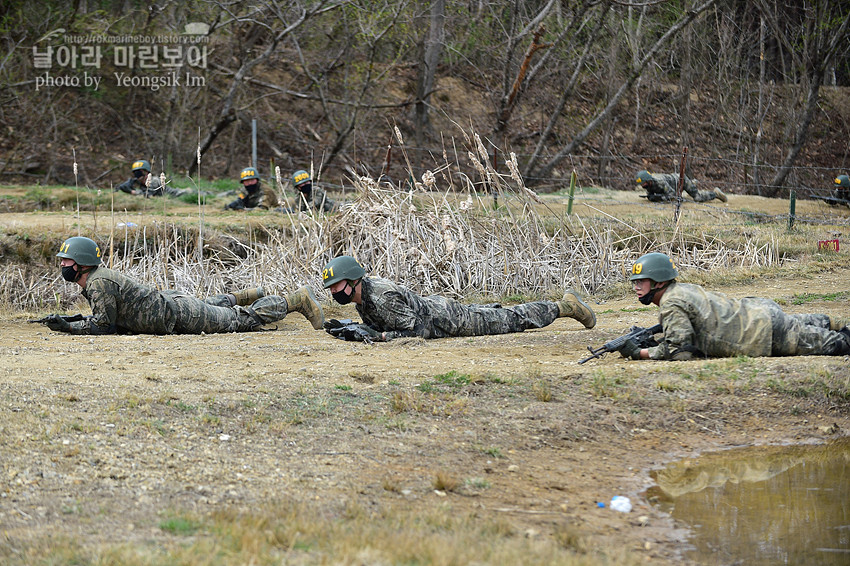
(643, 176)
(83, 251)
(248, 173)
(655, 266)
(339, 268)
(842, 182)
(141, 165)
(300, 177)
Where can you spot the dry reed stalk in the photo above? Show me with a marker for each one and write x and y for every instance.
(111, 226)
(200, 208)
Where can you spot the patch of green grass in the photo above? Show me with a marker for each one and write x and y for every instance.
(181, 406)
(209, 419)
(157, 426)
(667, 386)
(794, 390)
(602, 385)
(283, 532)
(342, 387)
(453, 379)
(179, 526)
(477, 483)
(493, 452)
(803, 298)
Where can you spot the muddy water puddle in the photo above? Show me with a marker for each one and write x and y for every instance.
(763, 506)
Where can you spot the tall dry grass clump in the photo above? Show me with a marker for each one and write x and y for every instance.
(436, 235)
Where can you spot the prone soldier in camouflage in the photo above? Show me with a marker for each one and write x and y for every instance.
(121, 304)
(699, 323)
(149, 185)
(842, 189)
(391, 311)
(661, 187)
(311, 195)
(251, 194)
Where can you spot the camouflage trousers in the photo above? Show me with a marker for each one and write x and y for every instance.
(214, 315)
(480, 320)
(804, 334)
(670, 195)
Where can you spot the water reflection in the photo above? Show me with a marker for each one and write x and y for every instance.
(767, 505)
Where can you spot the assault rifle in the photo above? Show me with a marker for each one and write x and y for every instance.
(66, 318)
(348, 330)
(834, 199)
(643, 337)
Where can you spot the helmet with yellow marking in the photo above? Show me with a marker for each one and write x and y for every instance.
(655, 266)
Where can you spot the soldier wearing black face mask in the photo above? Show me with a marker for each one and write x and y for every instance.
(121, 304)
(310, 195)
(148, 185)
(392, 311)
(251, 195)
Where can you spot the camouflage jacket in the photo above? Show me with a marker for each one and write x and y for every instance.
(391, 308)
(663, 186)
(697, 322)
(121, 304)
(157, 189)
(396, 310)
(249, 197)
(318, 199)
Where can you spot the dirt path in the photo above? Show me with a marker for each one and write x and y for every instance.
(100, 435)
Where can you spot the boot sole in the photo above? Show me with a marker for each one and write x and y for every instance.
(321, 311)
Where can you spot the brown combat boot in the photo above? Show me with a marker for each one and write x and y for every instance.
(246, 297)
(721, 196)
(573, 307)
(304, 301)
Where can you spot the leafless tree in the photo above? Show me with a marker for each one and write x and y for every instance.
(432, 49)
(812, 44)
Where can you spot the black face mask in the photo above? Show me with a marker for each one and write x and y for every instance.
(342, 297)
(69, 273)
(139, 173)
(306, 190)
(647, 299)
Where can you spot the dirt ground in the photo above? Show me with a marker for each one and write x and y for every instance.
(100, 435)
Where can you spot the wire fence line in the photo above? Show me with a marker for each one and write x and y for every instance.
(617, 170)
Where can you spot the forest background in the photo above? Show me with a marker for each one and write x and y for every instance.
(757, 91)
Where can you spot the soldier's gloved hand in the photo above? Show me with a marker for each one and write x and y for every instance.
(334, 327)
(630, 350)
(58, 323)
(360, 333)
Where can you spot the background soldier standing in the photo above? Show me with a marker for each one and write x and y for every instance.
(699, 323)
(662, 188)
(392, 311)
(121, 304)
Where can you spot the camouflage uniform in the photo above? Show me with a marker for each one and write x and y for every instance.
(317, 198)
(662, 187)
(121, 304)
(250, 196)
(155, 190)
(700, 323)
(399, 312)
